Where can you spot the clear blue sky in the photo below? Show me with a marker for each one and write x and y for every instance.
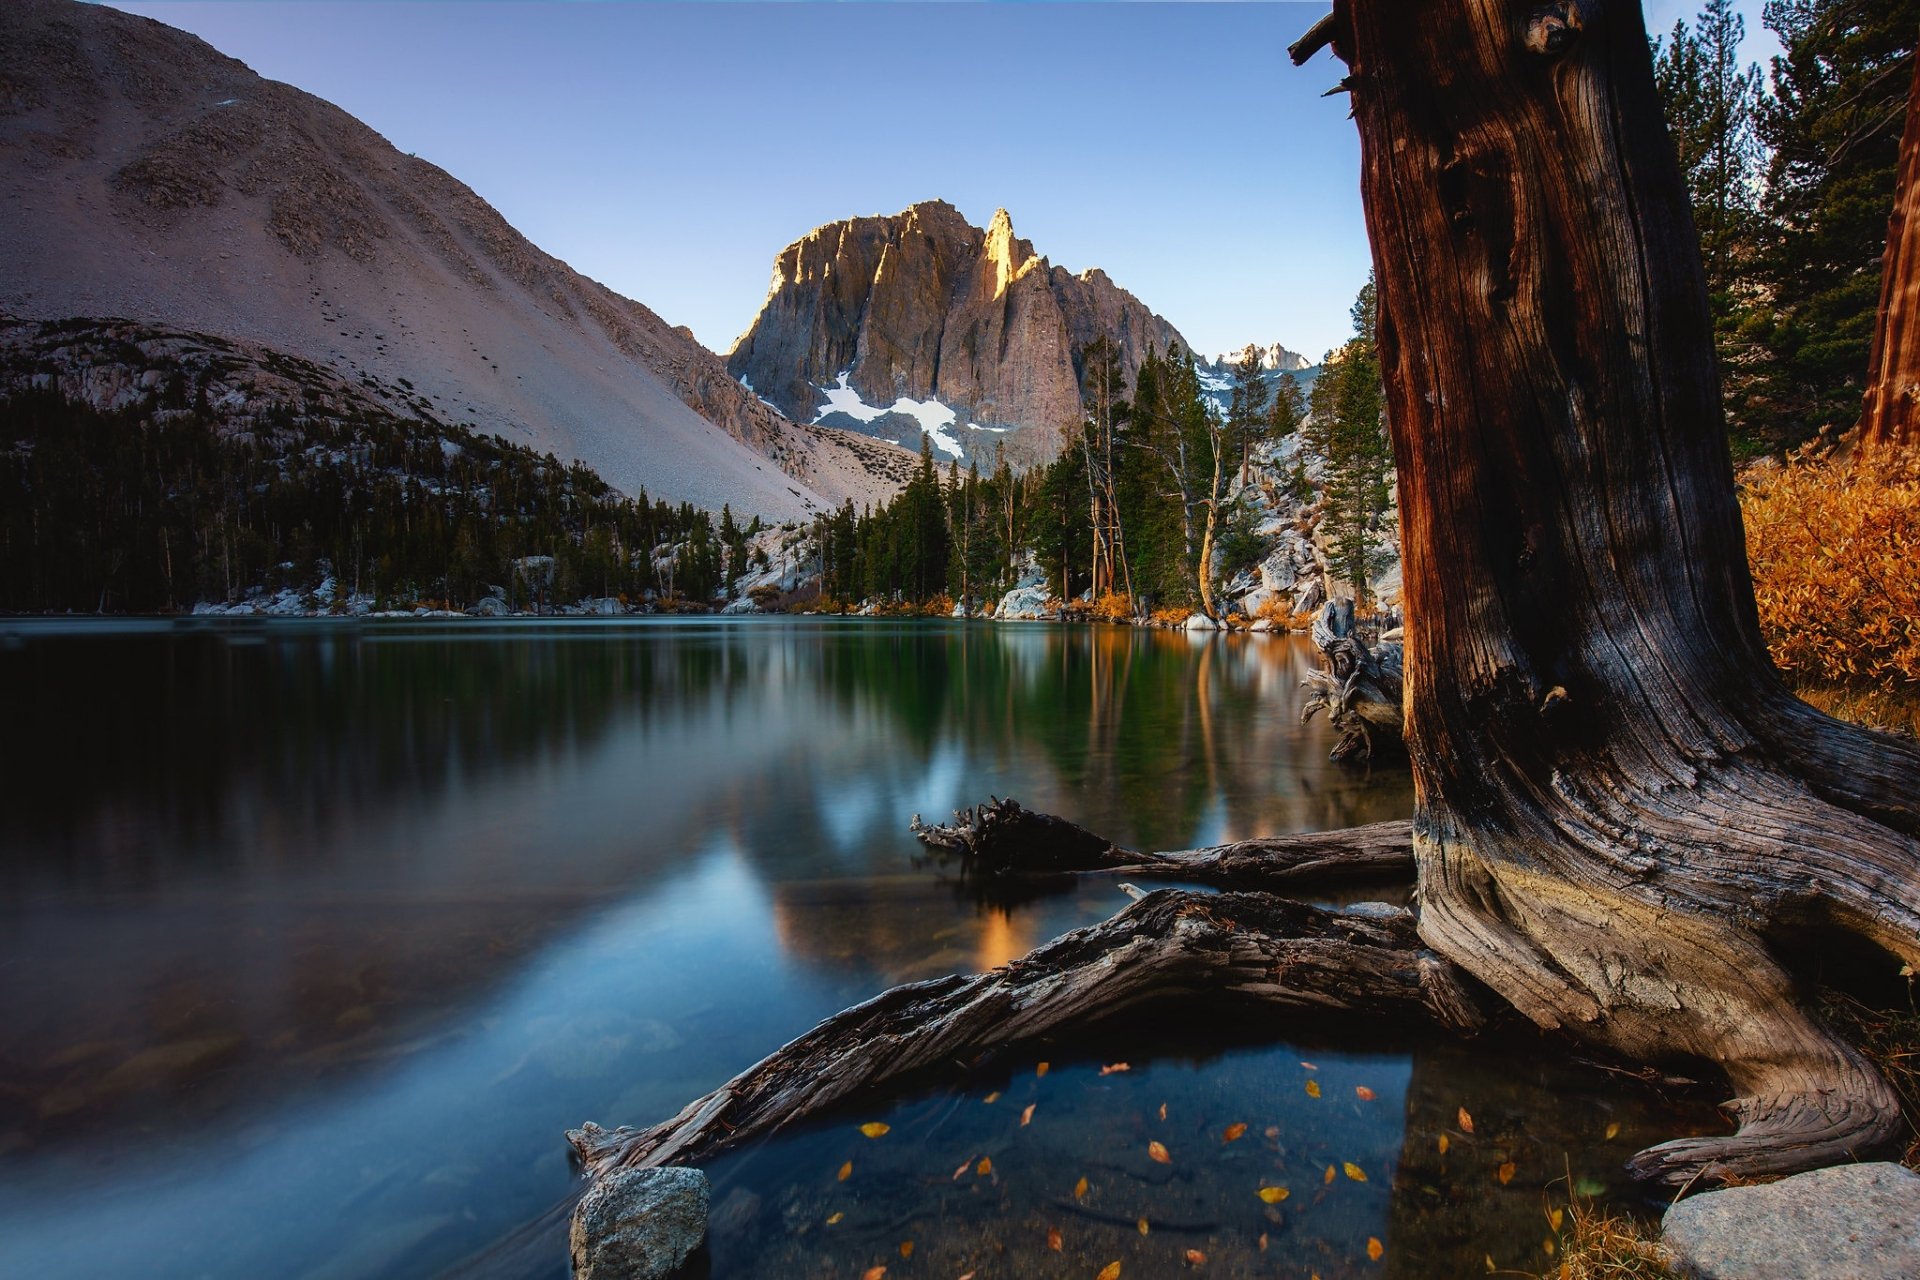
(671, 150)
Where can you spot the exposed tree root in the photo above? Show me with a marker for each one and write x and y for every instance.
(1256, 950)
(1001, 842)
(1360, 688)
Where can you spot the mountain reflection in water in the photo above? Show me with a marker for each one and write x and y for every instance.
(314, 937)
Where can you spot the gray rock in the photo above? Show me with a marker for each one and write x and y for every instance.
(1201, 622)
(639, 1224)
(1853, 1222)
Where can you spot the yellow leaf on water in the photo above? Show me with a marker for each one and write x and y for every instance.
(1443, 1143)
(1042, 1069)
(991, 1098)
(968, 1276)
(985, 1166)
(1313, 1088)
(1026, 1117)
(1505, 1173)
(964, 1166)
(1142, 1224)
(1375, 1248)
(1113, 1067)
(1163, 1111)
(1195, 1258)
(1053, 1239)
(1109, 1272)
(874, 1273)
(906, 1248)
(1332, 1173)
(1354, 1171)
(1263, 1242)
(874, 1129)
(1233, 1132)
(834, 1218)
(846, 1171)
(1158, 1151)
(1555, 1217)
(1466, 1121)
(1490, 1267)
(1080, 1189)
(1547, 1244)
(1613, 1131)
(1363, 1093)
(1274, 1195)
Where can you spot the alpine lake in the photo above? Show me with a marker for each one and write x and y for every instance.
(316, 936)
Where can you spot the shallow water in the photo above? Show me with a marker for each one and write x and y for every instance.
(314, 938)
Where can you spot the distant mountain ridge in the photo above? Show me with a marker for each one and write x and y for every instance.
(144, 174)
(923, 323)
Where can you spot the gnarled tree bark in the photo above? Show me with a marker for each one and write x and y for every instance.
(1361, 687)
(1621, 812)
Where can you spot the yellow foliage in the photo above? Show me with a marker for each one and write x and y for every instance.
(1112, 607)
(1170, 617)
(1835, 550)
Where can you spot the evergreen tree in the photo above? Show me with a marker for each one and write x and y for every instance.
(1348, 430)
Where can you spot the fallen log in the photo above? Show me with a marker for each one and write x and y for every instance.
(1254, 951)
(1001, 842)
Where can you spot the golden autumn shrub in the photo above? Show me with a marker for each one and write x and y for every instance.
(1112, 607)
(1835, 549)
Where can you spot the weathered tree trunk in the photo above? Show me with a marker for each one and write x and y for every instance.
(1621, 812)
(1891, 411)
(1360, 688)
(1619, 806)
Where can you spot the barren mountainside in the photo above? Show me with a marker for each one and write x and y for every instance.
(143, 174)
(924, 307)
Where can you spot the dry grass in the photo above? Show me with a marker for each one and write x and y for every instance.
(1599, 1245)
(1891, 1041)
(1835, 549)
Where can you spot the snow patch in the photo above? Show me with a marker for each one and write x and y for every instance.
(934, 418)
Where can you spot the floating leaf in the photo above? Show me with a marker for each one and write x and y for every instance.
(1053, 1239)
(1505, 1173)
(1274, 1195)
(833, 1219)
(1233, 1133)
(1547, 1246)
(1442, 1142)
(1466, 1121)
(1113, 1068)
(846, 1171)
(1375, 1248)
(874, 1129)
(1042, 1069)
(1158, 1151)
(1163, 1111)
(1311, 1066)
(1080, 1189)
(1363, 1093)
(961, 1171)
(1613, 1131)
(1026, 1117)
(1263, 1242)
(985, 1166)
(1273, 1131)
(1142, 1224)
(906, 1248)
(1555, 1217)
(1490, 1267)
(1589, 1187)
(1313, 1088)
(991, 1098)
(1332, 1173)
(874, 1273)
(1354, 1171)
(1195, 1258)
(1109, 1272)
(968, 1276)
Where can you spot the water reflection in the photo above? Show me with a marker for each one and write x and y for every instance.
(315, 937)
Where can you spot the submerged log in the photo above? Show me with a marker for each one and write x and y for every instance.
(1254, 952)
(1359, 688)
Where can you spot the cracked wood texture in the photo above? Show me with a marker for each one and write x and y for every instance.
(1890, 414)
(1253, 951)
(1621, 810)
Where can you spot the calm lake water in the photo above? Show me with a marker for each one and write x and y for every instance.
(315, 937)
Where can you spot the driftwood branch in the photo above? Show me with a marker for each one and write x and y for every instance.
(1256, 952)
(1317, 37)
(1360, 688)
(1000, 842)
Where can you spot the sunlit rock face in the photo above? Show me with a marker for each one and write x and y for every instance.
(924, 309)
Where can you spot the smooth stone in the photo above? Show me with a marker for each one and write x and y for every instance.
(1851, 1222)
(1201, 622)
(639, 1224)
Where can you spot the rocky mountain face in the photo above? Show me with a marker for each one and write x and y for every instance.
(923, 323)
(1273, 357)
(145, 175)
